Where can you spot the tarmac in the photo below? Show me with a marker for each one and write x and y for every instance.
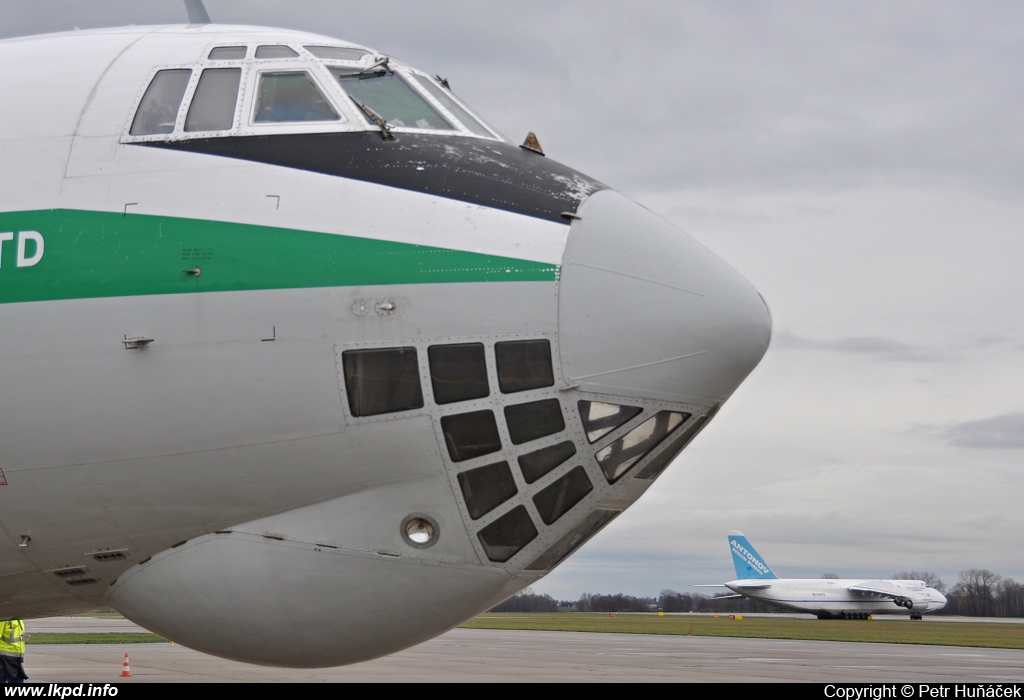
(464, 655)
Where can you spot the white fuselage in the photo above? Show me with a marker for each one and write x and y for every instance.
(833, 597)
(191, 428)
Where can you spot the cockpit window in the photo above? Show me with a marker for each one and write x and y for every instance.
(228, 53)
(273, 51)
(278, 88)
(159, 107)
(213, 105)
(338, 53)
(291, 97)
(389, 96)
(439, 94)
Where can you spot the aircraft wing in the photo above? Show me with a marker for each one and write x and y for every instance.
(879, 588)
(753, 585)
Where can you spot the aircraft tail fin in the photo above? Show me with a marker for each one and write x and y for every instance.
(197, 13)
(745, 558)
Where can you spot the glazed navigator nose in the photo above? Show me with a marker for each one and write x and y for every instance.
(647, 311)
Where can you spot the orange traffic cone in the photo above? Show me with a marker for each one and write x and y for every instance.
(126, 671)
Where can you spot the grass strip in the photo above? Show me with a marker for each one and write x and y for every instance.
(958, 634)
(94, 638)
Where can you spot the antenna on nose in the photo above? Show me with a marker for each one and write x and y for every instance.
(197, 13)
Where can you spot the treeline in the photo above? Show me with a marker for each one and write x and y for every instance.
(982, 593)
(977, 593)
(668, 601)
(528, 601)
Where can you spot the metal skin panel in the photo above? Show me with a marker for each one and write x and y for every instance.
(174, 390)
(368, 520)
(645, 310)
(37, 592)
(288, 604)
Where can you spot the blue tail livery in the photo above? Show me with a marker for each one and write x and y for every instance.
(747, 561)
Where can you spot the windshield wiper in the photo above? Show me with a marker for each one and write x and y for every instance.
(380, 67)
(385, 129)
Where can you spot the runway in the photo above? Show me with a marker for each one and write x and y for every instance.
(517, 656)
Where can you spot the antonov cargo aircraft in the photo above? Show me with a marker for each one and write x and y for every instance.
(851, 599)
(302, 362)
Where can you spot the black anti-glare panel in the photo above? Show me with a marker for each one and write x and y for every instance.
(385, 380)
(470, 435)
(524, 365)
(534, 420)
(555, 500)
(534, 465)
(486, 488)
(508, 534)
(458, 372)
(489, 173)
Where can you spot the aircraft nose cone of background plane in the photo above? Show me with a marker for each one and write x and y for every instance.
(645, 310)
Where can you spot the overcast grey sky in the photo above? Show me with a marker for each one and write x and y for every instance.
(861, 163)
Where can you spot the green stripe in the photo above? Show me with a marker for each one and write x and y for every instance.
(99, 254)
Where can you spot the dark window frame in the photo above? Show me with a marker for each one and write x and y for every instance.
(366, 380)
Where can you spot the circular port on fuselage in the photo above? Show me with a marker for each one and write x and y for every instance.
(420, 530)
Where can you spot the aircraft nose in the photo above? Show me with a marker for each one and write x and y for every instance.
(647, 311)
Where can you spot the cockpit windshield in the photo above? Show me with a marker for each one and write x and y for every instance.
(259, 88)
(338, 53)
(389, 96)
(439, 94)
(291, 97)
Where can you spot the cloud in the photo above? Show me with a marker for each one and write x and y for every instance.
(765, 96)
(994, 341)
(997, 432)
(858, 345)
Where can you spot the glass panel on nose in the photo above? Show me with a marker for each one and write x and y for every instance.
(383, 380)
(274, 51)
(213, 105)
(616, 459)
(159, 108)
(653, 468)
(458, 372)
(536, 464)
(524, 365)
(338, 53)
(291, 97)
(470, 435)
(555, 500)
(389, 97)
(572, 540)
(599, 419)
(227, 53)
(508, 534)
(534, 420)
(486, 488)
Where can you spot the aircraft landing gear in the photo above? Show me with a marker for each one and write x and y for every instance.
(916, 617)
